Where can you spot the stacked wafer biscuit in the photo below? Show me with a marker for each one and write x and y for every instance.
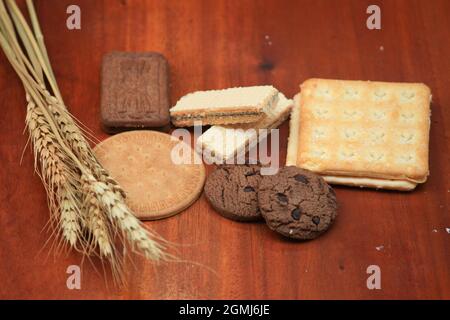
(236, 115)
(356, 133)
(368, 134)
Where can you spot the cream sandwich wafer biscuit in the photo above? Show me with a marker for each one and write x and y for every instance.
(220, 143)
(227, 106)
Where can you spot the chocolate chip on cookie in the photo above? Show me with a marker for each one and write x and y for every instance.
(232, 190)
(297, 203)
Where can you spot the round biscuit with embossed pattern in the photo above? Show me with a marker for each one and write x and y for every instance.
(161, 175)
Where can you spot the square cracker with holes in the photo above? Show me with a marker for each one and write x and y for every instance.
(361, 133)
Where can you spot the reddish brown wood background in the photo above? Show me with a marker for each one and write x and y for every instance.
(215, 44)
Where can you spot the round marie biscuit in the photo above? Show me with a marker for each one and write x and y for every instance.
(156, 186)
(232, 190)
(297, 203)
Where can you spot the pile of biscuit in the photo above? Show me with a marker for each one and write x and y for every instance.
(293, 202)
(236, 116)
(354, 133)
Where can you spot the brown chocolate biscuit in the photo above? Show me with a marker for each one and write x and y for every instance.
(232, 191)
(297, 203)
(135, 91)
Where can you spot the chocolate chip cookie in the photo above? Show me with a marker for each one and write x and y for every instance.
(232, 190)
(297, 203)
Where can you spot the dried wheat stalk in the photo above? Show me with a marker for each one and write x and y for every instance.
(87, 206)
(55, 173)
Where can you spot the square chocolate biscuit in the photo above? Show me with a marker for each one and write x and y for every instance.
(135, 91)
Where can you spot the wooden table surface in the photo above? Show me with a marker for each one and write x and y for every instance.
(218, 44)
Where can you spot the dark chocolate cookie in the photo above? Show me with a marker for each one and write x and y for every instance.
(297, 203)
(232, 190)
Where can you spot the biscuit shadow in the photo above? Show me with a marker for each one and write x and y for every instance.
(116, 130)
(419, 187)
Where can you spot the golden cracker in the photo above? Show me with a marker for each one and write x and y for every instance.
(362, 129)
(141, 163)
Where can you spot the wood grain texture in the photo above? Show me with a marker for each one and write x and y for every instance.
(216, 44)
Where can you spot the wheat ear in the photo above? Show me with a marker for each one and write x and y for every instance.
(119, 214)
(78, 142)
(56, 175)
(69, 218)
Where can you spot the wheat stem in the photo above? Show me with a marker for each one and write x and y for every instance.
(40, 40)
(27, 37)
(8, 30)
